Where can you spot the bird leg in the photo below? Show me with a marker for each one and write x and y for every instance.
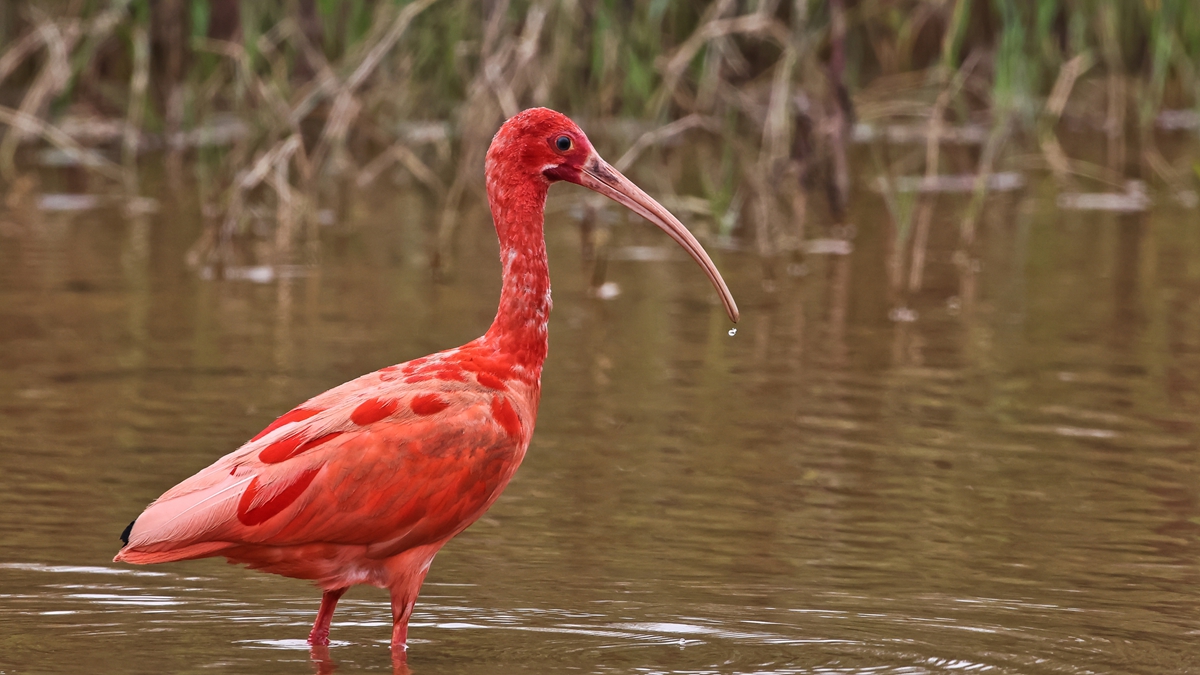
(404, 596)
(320, 630)
(402, 607)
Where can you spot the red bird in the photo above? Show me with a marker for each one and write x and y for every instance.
(364, 483)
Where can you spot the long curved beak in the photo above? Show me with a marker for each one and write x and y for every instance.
(596, 174)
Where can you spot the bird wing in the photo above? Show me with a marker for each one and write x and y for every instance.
(365, 464)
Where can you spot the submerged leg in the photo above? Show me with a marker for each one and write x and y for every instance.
(320, 630)
(323, 663)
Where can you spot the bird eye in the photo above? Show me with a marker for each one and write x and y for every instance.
(563, 143)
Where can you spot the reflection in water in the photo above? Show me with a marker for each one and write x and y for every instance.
(324, 664)
(1006, 483)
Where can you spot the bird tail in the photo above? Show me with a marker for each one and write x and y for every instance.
(142, 556)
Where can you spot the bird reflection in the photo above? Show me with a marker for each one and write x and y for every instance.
(324, 663)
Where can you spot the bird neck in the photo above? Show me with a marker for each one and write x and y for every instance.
(520, 327)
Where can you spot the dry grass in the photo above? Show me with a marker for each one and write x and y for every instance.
(327, 101)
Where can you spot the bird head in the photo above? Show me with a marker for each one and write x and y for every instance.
(539, 145)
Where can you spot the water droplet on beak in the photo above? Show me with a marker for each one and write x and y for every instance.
(732, 332)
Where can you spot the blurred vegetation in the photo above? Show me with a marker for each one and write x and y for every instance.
(284, 105)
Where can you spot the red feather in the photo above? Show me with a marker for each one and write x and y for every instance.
(367, 481)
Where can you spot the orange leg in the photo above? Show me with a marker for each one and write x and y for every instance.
(320, 630)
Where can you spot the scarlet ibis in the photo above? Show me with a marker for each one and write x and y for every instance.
(364, 483)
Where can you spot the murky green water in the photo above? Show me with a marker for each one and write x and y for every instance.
(1009, 484)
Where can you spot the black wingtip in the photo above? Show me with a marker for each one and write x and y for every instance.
(125, 534)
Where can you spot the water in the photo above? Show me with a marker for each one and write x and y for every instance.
(1006, 481)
